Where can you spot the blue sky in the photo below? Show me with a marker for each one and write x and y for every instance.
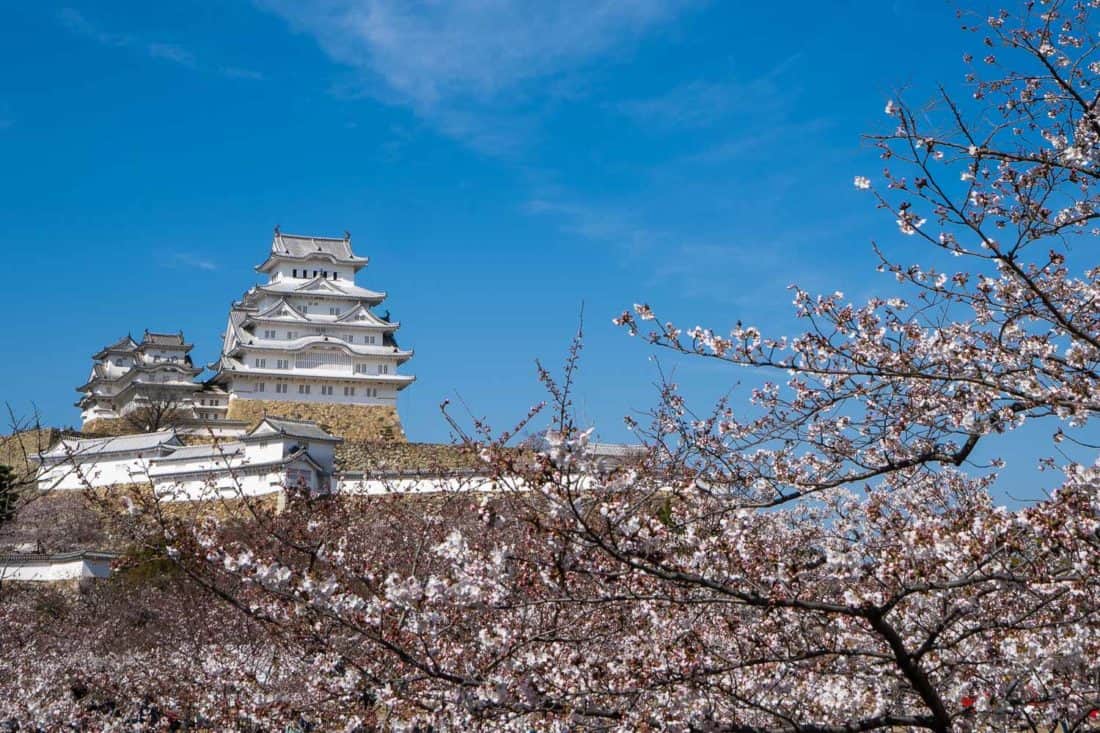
(500, 163)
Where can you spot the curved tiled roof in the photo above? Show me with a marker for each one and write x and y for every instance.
(307, 247)
(124, 344)
(304, 245)
(82, 447)
(162, 339)
(203, 450)
(305, 429)
(320, 287)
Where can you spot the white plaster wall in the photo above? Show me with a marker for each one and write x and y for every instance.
(379, 487)
(210, 462)
(324, 453)
(48, 572)
(246, 387)
(228, 487)
(199, 488)
(287, 270)
(267, 449)
(165, 355)
(83, 471)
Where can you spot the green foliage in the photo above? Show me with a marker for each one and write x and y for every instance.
(664, 512)
(147, 567)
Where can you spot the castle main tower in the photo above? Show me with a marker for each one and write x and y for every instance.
(307, 343)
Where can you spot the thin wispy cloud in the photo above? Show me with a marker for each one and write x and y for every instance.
(171, 52)
(740, 269)
(467, 64)
(597, 223)
(75, 22)
(80, 25)
(236, 72)
(704, 103)
(191, 260)
(746, 144)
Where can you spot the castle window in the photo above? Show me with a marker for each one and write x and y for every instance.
(282, 363)
(324, 274)
(383, 368)
(349, 391)
(295, 273)
(303, 389)
(326, 389)
(260, 387)
(335, 276)
(280, 387)
(261, 363)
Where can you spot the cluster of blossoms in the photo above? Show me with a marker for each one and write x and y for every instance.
(826, 558)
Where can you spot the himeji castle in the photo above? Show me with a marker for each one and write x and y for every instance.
(309, 336)
(130, 375)
(305, 344)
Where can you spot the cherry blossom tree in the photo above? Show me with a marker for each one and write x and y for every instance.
(826, 555)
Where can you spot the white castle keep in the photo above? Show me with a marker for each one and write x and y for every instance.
(128, 376)
(307, 335)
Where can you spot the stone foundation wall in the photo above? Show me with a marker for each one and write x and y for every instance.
(107, 427)
(428, 458)
(17, 448)
(352, 422)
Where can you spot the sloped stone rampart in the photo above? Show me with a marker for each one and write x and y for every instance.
(351, 422)
(107, 427)
(428, 458)
(17, 448)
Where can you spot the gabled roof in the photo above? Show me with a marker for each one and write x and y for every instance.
(304, 429)
(205, 450)
(282, 310)
(304, 245)
(319, 286)
(162, 339)
(81, 448)
(373, 319)
(123, 345)
(101, 374)
(309, 342)
(307, 247)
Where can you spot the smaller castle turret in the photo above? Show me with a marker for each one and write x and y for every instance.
(155, 373)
